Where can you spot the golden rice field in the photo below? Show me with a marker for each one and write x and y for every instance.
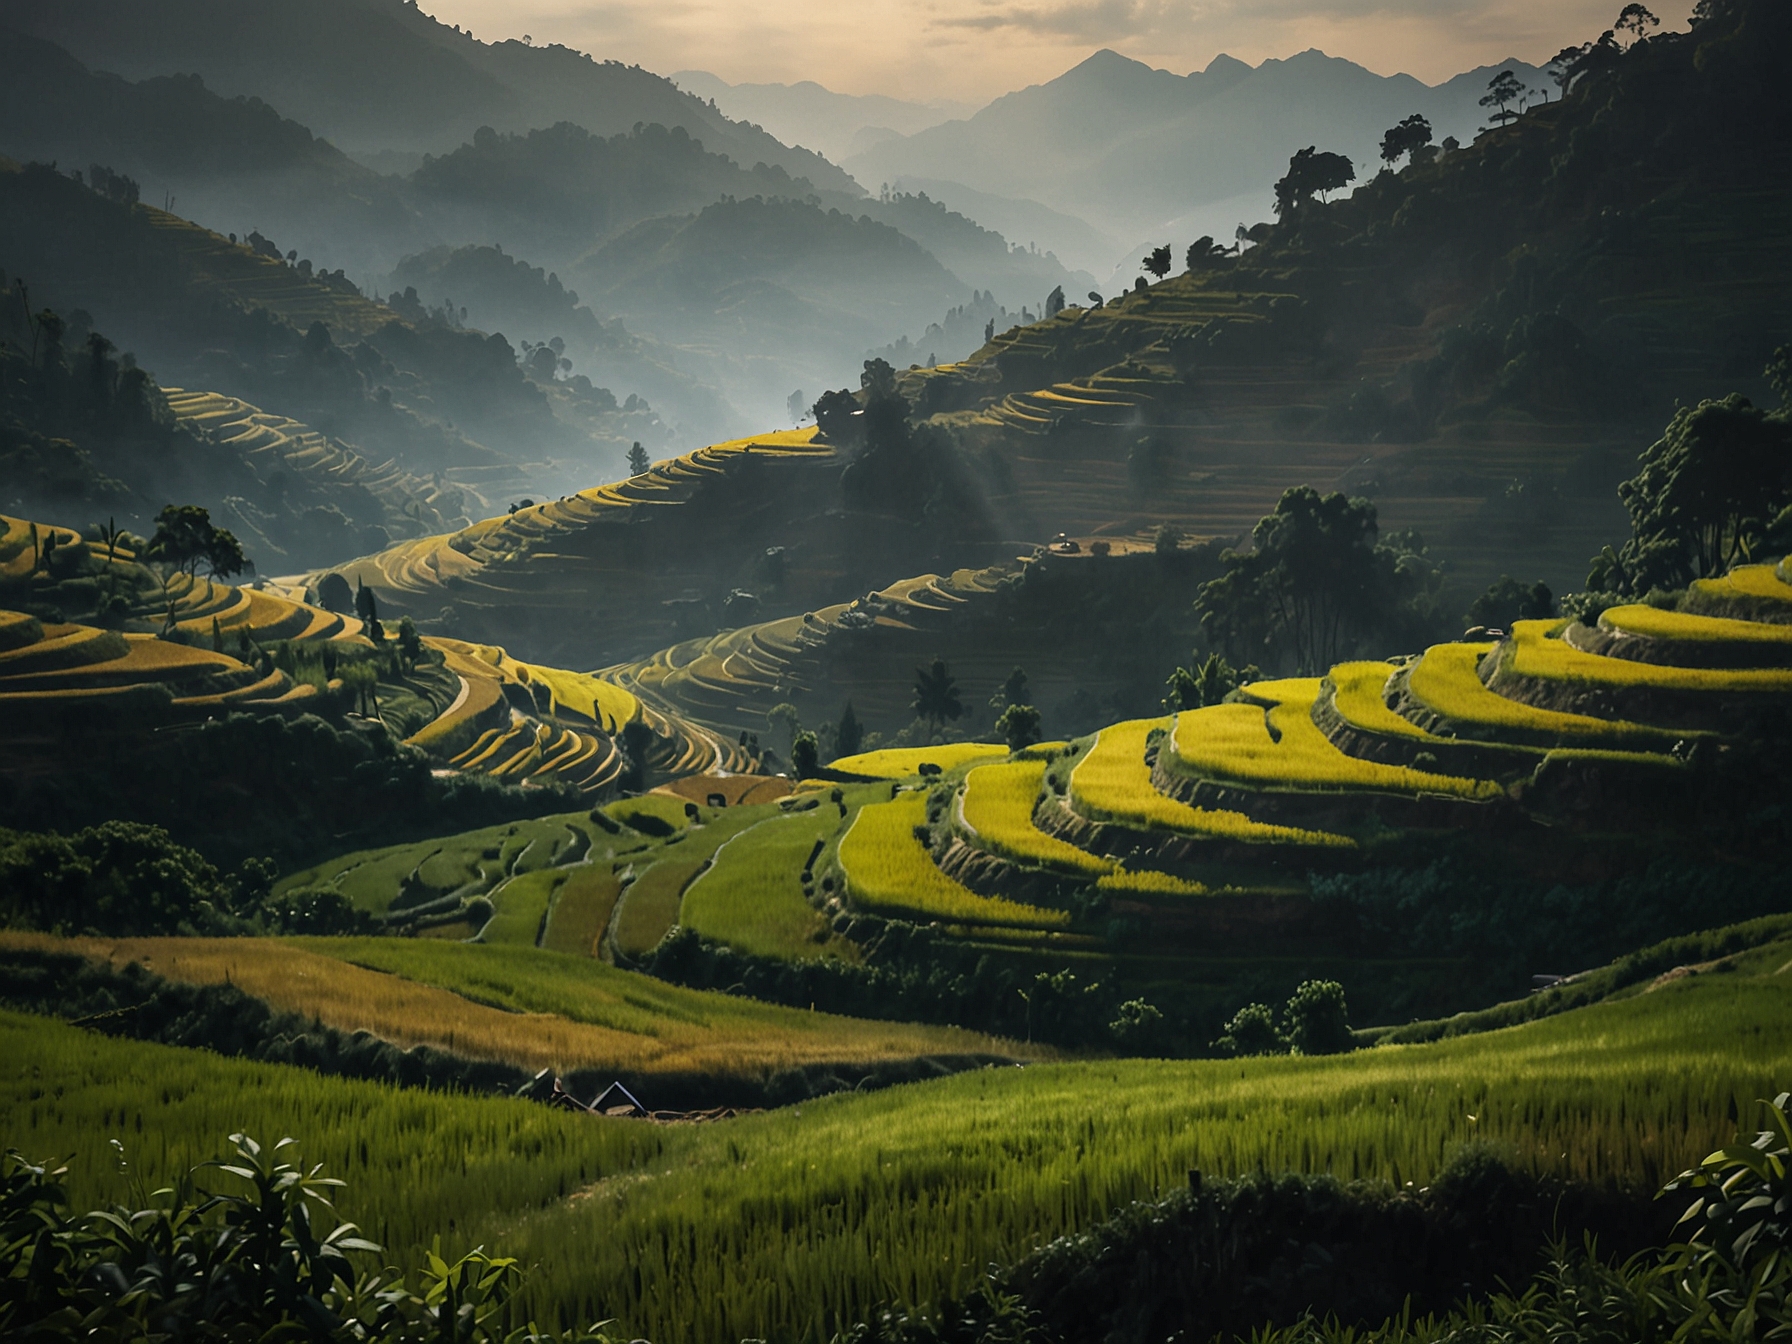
(1533, 651)
(523, 1006)
(1446, 680)
(889, 871)
(997, 808)
(906, 762)
(601, 701)
(1149, 882)
(1113, 783)
(1748, 585)
(1653, 623)
(1282, 748)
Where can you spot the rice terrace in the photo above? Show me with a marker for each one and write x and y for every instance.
(682, 707)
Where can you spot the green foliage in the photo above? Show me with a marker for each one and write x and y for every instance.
(1317, 1020)
(271, 1262)
(1742, 1217)
(1252, 1031)
(122, 879)
(638, 460)
(805, 756)
(1507, 601)
(936, 695)
(850, 735)
(1018, 726)
(1707, 493)
(1317, 582)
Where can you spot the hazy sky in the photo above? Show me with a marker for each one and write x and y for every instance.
(973, 50)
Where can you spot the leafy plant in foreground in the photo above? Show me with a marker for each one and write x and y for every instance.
(272, 1264)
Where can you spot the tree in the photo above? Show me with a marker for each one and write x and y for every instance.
(1707, 493)
(410, 643)
(637, 459)
(1779, 375)
(1310, 173)
(1408, 137)
(1203, 252)
(936, 695)
(785, 716)
(850, 735)
(805, 756)
(1095, 300)
(1508, 600)
(1502, 89)
(1211, 681)
(1252, 1031)
(1311, 581)
(1168, 539)
(1636, 20)
(1013, 691)
(1054, 302)
(1018, 726)
(1317, 1020)
(367, 608)
(1157, 261)
(838, 417)
(184, 540)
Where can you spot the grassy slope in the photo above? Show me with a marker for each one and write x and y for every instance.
(529, 1008)
(795, 1220)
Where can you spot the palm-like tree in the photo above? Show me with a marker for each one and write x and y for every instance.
(936, 695)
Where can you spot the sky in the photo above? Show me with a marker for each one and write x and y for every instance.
(975, 50)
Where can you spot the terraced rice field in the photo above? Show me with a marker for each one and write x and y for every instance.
(751, 897)
(1448, 681)
(996, 808)
(273, 442)
(1534, 650)
(906, 762)
(889, 871)
(1282, 748)
(1654, 623)
(1113, 783)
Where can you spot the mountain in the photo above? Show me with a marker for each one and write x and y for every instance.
(774, 294)
(380, 75)
(981, 257)
(234, 163)
(805, 113)
(1130, 148)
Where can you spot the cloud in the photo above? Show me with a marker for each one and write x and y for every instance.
(1084, 20)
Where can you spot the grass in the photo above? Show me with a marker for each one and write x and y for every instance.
(582, 910)
(1282, 748)
(889, 871)
(997, 808)
(1113, 783)
(1534, 652)
(373, 879)
(527, 1007)
(792, 1223)
(1446, 679)
(650, 905)
(522, 903)
(751, 898)
(1653, 623)
(906, 762)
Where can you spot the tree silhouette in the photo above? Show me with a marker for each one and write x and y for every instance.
(1013, 691)
(1054, 302)
(1157, 261)
(637, 459)
(936, 696)
(1502, 89)
(805, 756)
(1312, 582)
(1409, 137)
(1312, 172)
(184, 540)
(1636, 20)
(850, 735)
(1203, 252)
